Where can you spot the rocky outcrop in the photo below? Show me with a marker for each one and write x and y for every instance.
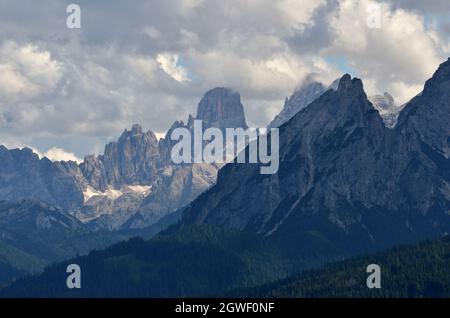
(221, 108)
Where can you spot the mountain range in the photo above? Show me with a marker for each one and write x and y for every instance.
(346, 183)
(133, 184)
(351, 180)
(56, 210)
(312, 89)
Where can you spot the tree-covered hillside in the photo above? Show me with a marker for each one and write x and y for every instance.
(196, 261)
(189, 261)
(421, 270)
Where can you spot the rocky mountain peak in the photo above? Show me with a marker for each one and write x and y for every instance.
(352, 101)
(221, 107)
(136, 129)
(439, 81)
(303, 95)
(428, 114)
(347, 85)
(137, 133)
(129, 160)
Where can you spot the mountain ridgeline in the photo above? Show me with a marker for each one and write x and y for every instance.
(23, 175)
(346, 183)
(312, 89)
(133, 184)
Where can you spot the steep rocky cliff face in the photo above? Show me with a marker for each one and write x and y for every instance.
(221, 108)
(310, 90)
(346, 183)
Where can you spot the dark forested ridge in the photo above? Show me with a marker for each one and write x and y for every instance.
(421, 270)
(190, 261)
(8, 273)
(194, 261)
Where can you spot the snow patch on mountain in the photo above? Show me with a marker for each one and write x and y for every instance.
(114, 194)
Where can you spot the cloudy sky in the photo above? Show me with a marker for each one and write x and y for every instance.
(65, 92)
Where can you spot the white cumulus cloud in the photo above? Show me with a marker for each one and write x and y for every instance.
(26, 71)
(59, 154)
(396, 56)
(169, 64)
